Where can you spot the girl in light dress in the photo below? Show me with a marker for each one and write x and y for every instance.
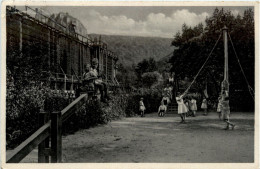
(204, 106)
(182, 109)
(193, 106)
(188, 105)
(141, 107)
(219, 108)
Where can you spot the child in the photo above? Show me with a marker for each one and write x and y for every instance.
(98, 81)
(193, 106)
(166, 100)
(219, 107)
(162, 109)
(182, 109)
(141, 107)
(187, 104)
(204, 106)
(226, 112)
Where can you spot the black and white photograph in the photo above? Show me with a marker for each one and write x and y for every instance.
(116, 83)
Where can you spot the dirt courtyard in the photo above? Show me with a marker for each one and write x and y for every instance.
(162, 140)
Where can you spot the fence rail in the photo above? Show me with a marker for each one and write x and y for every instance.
(50, 129)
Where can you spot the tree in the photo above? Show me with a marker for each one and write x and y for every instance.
(151, 79)
(126, 75)
(195, 44)
(145, 66)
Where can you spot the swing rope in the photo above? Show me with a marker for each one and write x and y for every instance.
(250, 89)
(194, 79)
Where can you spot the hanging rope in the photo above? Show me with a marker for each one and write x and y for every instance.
(203, 64)
(250, 89)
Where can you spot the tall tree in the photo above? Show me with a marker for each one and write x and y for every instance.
(195, 44)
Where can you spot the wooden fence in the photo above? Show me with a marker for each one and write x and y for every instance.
(50, 131)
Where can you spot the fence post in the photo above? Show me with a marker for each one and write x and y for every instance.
(43, 157)
(56, 139)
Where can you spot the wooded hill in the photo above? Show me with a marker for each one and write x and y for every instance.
(133, 49)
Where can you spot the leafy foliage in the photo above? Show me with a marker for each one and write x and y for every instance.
(194, 45)
(95, 113)
(126, 75)
(26, 90)
(152, 98)
(151, 79)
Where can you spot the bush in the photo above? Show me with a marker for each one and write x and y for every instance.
(22, 108)
(23, 104)
(94, 113)
(152, 98)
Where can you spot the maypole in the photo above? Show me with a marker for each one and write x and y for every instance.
(225, 83)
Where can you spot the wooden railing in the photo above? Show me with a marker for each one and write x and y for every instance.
(41, 138)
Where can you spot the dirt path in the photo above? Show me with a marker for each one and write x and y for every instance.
(162, 139)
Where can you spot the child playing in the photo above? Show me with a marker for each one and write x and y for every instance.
(182, 109)
(193, 106)
(162, 109)
(219, 107)
(204, 106)
(226, 112)
(187, 104)
(141, 107)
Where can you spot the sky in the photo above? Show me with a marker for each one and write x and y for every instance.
(151, 21)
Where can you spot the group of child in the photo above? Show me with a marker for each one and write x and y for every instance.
(187, 107)
(223, 109)
(91, 73)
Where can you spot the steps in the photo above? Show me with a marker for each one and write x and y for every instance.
(172, 108)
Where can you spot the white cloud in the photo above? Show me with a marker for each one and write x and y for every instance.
(155, 24)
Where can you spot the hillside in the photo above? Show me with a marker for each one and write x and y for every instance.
(133, 49)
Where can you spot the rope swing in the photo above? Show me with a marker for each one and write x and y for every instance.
(250, 89)
(194, 79)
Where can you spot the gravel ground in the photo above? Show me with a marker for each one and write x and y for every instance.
(162, 140)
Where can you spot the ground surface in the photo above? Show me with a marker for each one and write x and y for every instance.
(162, 140)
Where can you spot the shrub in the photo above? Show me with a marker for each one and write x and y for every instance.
(22, 108)
(152, 98)
(95, 112)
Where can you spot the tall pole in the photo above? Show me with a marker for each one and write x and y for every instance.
(225, 83)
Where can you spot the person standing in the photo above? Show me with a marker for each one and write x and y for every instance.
(182, 109)
(187, 104)
(141, 107)
(193, 106)
(171, 78)
(226, 112)
(219, 108)
(204, 106)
